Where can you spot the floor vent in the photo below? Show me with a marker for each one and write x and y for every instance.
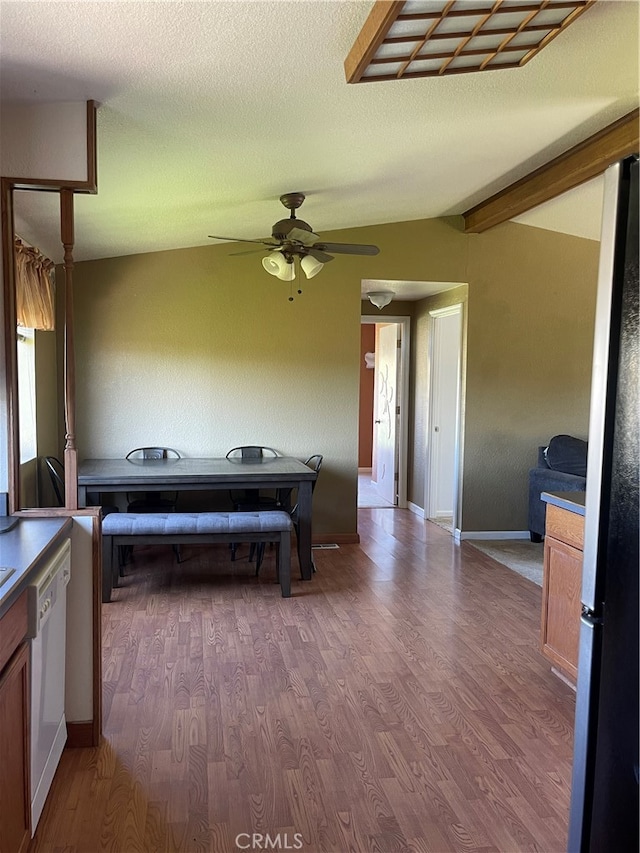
(326, 547)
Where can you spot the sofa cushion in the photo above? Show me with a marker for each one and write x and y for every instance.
(567, 454)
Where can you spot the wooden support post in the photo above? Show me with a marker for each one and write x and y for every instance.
(10, 353)
(70, 452)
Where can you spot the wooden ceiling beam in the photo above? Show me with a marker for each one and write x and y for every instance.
(576, 166)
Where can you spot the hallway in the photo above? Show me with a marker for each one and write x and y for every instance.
(368, 496)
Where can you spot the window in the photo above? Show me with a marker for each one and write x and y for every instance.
(27, 393)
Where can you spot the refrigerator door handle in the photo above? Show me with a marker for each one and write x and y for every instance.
(589, 618)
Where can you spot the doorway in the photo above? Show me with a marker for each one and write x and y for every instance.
(444, 417)
(383, 419)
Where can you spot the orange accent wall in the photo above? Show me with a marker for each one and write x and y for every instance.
(365, 420)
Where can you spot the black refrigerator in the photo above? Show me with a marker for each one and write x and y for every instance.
(604, 792)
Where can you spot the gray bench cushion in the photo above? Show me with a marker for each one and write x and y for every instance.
(172, 523)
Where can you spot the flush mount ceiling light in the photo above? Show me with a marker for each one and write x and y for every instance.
(380, 298)
(431, 38)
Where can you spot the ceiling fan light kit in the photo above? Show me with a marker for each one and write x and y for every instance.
(380, 298)
(276, 264)
(293, 238)
(310, 266)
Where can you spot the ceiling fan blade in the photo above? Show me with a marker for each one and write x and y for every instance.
(246, 252)
(242, 240)
(320, 256)
(347, 248)
(299, 235)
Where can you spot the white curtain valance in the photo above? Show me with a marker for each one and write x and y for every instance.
(35, 288)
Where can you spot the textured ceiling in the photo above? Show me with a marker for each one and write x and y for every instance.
(209, 111)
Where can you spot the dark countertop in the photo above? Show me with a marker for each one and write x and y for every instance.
(572, 501)
(22, 549)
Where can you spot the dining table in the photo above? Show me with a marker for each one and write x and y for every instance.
(199, 474)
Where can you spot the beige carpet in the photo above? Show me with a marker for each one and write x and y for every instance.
(520, 555)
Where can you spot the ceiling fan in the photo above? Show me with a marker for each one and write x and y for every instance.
(293, 237)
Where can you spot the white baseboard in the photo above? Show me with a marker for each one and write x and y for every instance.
(415, 509)
(493, 534)
(459, 535)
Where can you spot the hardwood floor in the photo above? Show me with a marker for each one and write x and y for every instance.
(397, 702)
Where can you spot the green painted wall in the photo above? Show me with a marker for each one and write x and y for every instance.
(201, 351)
(531, 315)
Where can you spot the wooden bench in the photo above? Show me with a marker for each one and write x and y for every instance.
(196, 528)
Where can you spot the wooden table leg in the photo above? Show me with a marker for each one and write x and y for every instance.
(304, 529)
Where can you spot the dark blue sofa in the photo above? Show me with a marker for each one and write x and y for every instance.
(562, 467)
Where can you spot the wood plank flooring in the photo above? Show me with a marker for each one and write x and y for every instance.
(397, 702)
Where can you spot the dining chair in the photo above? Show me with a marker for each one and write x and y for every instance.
(152, 501)
(315, 463)
(251, 451)
(56, 473)
(251, 500)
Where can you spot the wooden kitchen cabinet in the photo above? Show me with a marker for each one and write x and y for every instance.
(561, 589)
(15, 826)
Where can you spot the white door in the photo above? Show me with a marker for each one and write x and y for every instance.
(385, 417)
(445, 393)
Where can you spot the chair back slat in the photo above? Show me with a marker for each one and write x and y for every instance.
(56, 473)
(153, 453)
(252, 451)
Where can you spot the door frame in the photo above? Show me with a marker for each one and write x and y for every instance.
(460, 309)
(403, 401)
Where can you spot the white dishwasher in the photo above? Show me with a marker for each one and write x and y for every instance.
(47, 598)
